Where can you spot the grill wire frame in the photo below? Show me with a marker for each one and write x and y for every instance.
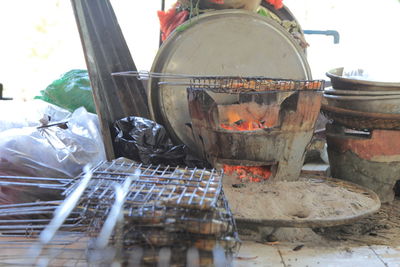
(229, 84)
(94, 205)
(253, 85)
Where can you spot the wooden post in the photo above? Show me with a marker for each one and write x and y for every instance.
(106, 52)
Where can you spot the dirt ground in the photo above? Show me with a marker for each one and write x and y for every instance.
(303, 199)
(382, 228)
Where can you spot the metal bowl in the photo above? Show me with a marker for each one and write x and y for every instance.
(340, 82)
(331, 91)
(377, 104)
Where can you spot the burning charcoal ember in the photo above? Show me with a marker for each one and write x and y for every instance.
(248, 117)
(249, 173)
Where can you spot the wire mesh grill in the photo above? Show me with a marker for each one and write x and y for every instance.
(237, 85)
(29, 219)
(157, 185)
(230, 84)
(164, 210)
(164, 207)
(66, 249)
(180, 199)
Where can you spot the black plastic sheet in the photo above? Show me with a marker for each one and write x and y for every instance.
(148, 142)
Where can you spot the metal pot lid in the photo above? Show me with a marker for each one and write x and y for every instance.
(227, 42)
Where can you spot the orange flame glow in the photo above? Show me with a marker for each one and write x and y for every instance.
(237, 124)
(252, 173)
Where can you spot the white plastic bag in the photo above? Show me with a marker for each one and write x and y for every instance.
(52, 151)
(15, 114)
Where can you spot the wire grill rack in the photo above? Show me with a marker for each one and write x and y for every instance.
(29, 219)
(124, 207)
(239, 85)
(66, 249)
(172, 199)
(156, 184)
(230, 84)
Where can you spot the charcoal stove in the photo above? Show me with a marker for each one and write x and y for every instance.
(370, 158)
(254, 122)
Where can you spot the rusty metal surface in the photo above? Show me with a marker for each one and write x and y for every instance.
(371, 160)
(378, 145)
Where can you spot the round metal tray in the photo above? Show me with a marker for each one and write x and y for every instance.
(321, 222)
(227, 42)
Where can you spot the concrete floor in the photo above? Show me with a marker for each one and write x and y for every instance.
(283, 255)
(250, 254)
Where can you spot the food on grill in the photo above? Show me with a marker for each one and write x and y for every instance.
(213, 227)
(258, 85)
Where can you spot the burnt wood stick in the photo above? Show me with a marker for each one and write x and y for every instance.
(106, 52)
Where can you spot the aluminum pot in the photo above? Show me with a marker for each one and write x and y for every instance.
(376, 104)
(340, 82)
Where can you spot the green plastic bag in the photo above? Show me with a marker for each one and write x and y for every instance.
(71, 91)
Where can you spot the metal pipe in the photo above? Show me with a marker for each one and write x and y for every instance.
(335, 34)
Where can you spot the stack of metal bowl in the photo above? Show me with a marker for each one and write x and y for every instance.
(362, 95)
(363, 130)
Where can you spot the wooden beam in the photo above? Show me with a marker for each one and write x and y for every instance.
(106, 52)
